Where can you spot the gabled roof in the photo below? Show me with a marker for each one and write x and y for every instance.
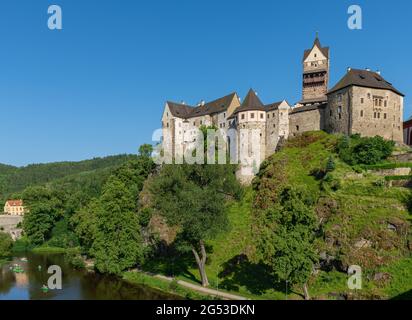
(363, 78)
(212, 107)
(324, 50)
(15, 203)
(179, 110)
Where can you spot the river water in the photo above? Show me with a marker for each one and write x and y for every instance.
(76, 284)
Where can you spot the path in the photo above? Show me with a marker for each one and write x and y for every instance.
(201, 289)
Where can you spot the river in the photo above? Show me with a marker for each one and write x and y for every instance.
(76, 284)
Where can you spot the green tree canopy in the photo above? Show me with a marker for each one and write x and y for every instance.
(192, 197)
(286, 237)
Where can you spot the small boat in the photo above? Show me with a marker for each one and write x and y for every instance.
(17, 269)
(45, 289)
(24, 259)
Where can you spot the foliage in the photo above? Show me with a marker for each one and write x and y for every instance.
(14, 179)
(118, 243)
(45, 207)
(330, 166)
(6, 244)
(192, 197)
(364, 150)
(285, 239)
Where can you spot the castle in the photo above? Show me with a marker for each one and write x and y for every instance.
(361, 102)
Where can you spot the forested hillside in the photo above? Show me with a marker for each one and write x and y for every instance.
(13, 179)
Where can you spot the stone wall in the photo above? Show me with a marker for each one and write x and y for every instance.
(9, 224)
(309, 119)
(352, 110)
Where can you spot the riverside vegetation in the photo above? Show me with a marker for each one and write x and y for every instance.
(313, 210)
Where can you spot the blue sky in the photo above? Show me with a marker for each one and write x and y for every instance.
(98, 87)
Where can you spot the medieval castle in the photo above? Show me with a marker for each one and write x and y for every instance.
(361, 102)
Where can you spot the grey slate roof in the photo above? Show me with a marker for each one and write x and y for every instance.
(363, 78)
(212, 107)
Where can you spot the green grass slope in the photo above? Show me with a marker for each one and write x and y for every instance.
(362, 223)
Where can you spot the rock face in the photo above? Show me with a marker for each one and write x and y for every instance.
(9, 224)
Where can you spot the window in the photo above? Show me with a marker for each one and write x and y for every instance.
(379, 115)
(374, 115)
(384, 115)
(261, 116)
(167, 125)
(385, 103)
(339, 97)
(194, 123)
(252, 116)
(330, 113)
(224, 114)
(274, 125)
(361, 113)
(369, 95)
(243, 116)
(201, 122)
(268, 116)
(361, 100)
(297, 128)
(273, 115)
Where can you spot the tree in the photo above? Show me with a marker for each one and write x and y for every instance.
(45, 207)
(192, 197)
(118, 243)
(6, 244)
(286, 237)
(330, 166)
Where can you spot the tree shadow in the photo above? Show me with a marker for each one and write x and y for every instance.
(404, 296)
(167, 260)
(257, 278)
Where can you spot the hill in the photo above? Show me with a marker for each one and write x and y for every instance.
(362, 222)
(14, 179)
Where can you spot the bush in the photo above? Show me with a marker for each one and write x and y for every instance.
(330, 166)
(358, 150)
(379, 183)
(6, 243)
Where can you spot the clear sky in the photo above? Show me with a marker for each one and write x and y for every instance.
(98, 86)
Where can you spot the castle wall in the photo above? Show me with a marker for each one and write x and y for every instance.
(304, 121)
(360, 113)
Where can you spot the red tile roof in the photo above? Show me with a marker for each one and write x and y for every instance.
(15, 203)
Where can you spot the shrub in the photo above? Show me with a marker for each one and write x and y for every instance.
(358, 150)
(173, 286)
(330, 166)
(6, 243)
(379, 183)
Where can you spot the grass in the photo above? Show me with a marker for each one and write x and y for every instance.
(400, 285)
(388, 165)
(163, 285)
(364, 209)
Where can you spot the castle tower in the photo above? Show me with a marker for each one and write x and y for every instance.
(315, 73)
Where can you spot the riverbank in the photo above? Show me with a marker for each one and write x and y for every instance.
(175, 286)
(3, 261)
(170, 287)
